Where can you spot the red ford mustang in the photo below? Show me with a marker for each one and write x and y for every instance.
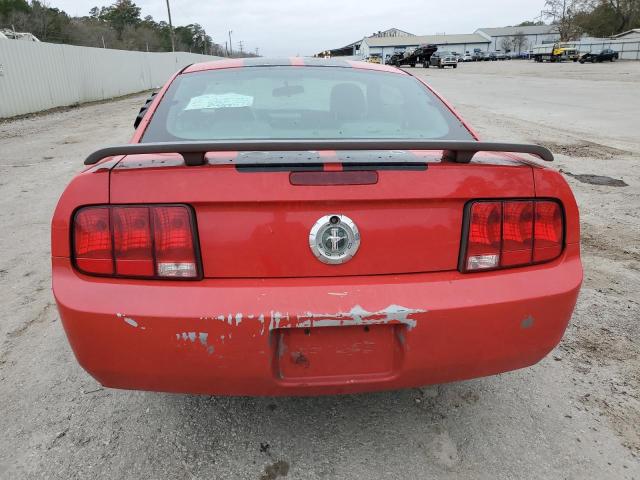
(305, 227)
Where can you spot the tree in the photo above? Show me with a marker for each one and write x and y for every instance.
(564, 14)
(7, 7)
(118, 25)
(193, 38)
(599, 22)
(626, 13)
(519, 41)
(505, 44)
(122, 14)
(48, 24)
(529, 23)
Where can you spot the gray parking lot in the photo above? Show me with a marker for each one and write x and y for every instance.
(574, 415)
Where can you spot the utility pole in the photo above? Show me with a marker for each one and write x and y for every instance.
(241, 50)
(257, 52)
(173, 41)
(230, 44)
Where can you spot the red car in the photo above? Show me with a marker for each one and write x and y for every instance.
(305, 227)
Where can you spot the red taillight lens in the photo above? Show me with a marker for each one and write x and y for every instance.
(549, 231)
(511, 233)
(92, 240)
(483, 247)
(132, 241)
(136, 241)
(517, 233)
(174, 242)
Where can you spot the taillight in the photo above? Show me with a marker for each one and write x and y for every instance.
(548, 231)
(173, 242)
(136, 241)
(93, 248)
(511, 233)
(485, 230)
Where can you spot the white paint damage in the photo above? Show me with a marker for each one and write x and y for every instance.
(129, 321)
(276, 318)
(191, 337)
(356, 316)
(359, 316)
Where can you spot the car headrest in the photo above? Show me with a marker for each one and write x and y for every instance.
(347, 102)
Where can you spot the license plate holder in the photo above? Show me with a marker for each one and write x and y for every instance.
(324, 353)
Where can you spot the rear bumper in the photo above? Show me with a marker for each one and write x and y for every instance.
(308, 336)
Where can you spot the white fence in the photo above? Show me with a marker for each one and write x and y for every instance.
(627, 49)
(38, 76)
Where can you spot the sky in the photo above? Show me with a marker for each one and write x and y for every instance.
(297, 27)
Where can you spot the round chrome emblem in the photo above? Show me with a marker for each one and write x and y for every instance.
(334, 239)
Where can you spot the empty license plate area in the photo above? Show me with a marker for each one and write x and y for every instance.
(324, 353)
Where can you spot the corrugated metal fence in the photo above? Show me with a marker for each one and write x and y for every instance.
(628, 49)
(38, 76)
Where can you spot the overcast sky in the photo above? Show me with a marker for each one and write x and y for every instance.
(305, 27)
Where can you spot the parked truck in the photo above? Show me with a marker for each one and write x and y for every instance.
(556, 52)
(421, 54)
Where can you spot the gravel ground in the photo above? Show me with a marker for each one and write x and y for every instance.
(574, 415)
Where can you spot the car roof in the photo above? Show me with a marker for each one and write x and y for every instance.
(293, 61)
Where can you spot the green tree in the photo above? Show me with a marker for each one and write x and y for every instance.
(120, 15)
(193, 38)
(7, 7)
(626, 13)
(46, 23)
(529, 23)
(608, 17)
(118, 25)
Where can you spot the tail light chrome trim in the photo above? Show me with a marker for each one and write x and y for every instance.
(512, 232)
(138, 241)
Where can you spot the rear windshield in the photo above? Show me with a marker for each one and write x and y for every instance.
(300, 103)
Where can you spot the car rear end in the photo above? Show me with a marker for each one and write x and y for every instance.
(205, 277)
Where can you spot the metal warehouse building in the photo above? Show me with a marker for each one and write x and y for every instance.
(384, 46)
(534, 35)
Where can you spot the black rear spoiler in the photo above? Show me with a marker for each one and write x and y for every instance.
(194, 152)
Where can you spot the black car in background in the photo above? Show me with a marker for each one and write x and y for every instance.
(601, 56)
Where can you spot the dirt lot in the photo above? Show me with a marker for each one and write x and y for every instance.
(574, 415)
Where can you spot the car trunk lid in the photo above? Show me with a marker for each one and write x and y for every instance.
(255, 223)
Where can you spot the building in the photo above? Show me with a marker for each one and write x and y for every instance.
(385, 42)
(531, 35)
(385, 46)
(7, 33)
(354, 48)
(629, 34)
(393, 32)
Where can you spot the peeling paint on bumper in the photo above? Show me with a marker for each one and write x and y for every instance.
(223, 336)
